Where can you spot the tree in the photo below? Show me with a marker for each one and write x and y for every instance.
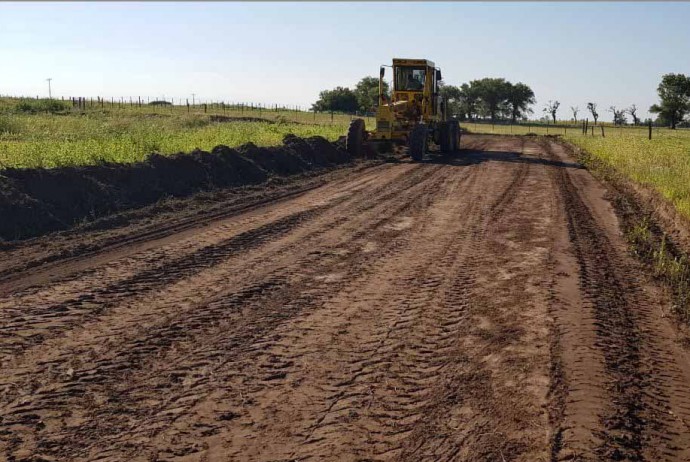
(520, 97)
(469, 100)
(618, 115)
(674, 92)
(493, 94)
(592, 107)
(575, 110)
(632, 110)
(452, 95)
(339, 99)
(367, 93)
(552, 108)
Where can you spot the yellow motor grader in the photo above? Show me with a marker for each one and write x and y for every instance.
(415, 113)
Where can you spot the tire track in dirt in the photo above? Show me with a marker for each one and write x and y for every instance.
(629, 368)
(480, 308)
(394, 373)
(161, 269)
(413, 184)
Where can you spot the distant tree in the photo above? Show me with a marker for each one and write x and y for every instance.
(452, 95)
(339, 99)
(674, 92)
(575, 110)
(592, 107)
(552, 108)
(469, 100)
(160, 103)
(493, 94)
(367, 93)
(520, 97)
(618, 115)
(632, 110)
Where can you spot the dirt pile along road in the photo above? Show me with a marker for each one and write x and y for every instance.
(482, 309)
(34, 202)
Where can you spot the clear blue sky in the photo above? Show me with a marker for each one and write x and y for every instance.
(610, 53)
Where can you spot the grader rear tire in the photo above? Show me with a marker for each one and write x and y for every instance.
(354, 142)
(417, 142)
(454, 135)
(446, 137)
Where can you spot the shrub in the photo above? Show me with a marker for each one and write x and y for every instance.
(9, 126)
(33, 106)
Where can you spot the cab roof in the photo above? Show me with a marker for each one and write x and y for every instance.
(412, 62)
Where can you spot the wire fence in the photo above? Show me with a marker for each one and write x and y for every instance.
(297, 114)
(582, 128)
(180, 106)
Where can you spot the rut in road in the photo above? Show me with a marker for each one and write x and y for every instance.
(482, 308)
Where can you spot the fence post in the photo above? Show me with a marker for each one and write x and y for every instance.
(602, 131)
(650, 129)
(331, 117)
(205, 108)
(592, 130)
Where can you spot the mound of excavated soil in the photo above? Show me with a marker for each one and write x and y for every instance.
(38, 201)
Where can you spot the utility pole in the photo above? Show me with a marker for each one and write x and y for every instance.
(50, 95)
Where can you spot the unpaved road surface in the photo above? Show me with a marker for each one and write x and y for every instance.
(479, 309)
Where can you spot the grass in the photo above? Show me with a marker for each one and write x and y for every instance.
(37, 134)
(662, 163)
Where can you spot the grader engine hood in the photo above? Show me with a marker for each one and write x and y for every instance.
(406, 107)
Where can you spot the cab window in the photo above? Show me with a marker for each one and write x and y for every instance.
(409, 78)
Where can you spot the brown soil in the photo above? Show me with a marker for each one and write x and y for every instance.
(482, 308)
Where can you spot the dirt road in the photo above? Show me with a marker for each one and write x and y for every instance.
(481, 309)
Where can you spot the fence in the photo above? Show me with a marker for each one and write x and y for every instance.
(181, 106)
(583, 128)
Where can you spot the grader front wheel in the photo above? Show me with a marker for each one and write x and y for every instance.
(417, 143)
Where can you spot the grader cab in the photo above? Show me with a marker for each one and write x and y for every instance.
(415, 114)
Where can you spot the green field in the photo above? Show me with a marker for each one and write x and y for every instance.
(111, 133)
(662, 162)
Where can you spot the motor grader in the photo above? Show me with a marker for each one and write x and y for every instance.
(415, 114)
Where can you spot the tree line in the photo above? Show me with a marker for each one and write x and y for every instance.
(499, 99)
(363, 98)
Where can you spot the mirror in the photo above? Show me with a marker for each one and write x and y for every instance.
(383, 72)
(438, 74)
